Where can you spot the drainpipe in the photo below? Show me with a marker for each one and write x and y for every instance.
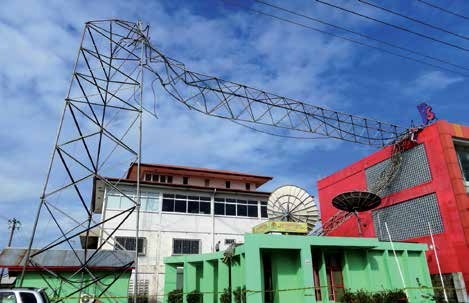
(212, 207)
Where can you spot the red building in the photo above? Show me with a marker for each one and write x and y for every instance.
(427, 195)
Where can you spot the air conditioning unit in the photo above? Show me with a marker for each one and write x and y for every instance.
(86, 298)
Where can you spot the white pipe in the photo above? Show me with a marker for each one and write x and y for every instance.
(438, 262)
(395, 256)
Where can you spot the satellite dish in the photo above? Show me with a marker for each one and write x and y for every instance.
(356, 201)
(293, 204)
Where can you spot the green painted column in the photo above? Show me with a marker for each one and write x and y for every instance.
(207, 284)
(254, 274)
(169, 279)
(307, 271)
(323, 279)
(222, 277)
(190, 281)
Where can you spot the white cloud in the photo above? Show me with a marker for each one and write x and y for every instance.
(38, 49)
(433, 81)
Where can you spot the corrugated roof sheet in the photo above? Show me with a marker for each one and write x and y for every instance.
(12, 257)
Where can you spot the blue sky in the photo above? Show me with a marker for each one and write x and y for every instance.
(40, 41)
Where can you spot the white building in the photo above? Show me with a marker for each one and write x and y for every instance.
(183, 211)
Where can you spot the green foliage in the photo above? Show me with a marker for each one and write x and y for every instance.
(240, 294)
(175, 296)
(385, 296)
(194, 296)
(225, 297)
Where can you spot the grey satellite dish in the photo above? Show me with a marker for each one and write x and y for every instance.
(293, 204)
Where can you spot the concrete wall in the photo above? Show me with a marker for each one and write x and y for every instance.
(160, 228)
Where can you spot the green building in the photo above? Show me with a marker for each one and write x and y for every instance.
(280, 268)
(106, 279)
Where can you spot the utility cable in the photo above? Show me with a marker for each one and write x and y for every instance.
(395, 26)
(348, 39)
(443, 9)
(363, 35)
(414, 19)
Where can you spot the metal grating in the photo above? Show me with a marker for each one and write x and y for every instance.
(414, 170)
(408, 219)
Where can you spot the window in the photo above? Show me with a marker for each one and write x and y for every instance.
(28, 297)
(227, 184)
(185, 180)
(186, 204)
(248, 186)
(207, 182)
(128, 243)
(186, 246)
(147, 177)
(118, 200)
(236, 207)
(149, 201)
(7, 297)
(462, 151)
(264, 209)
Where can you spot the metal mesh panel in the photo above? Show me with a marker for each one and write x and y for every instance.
(408, 219)
(414, 170)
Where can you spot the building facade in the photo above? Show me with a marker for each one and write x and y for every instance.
(279, 268)
(183, 211)
(427, 197)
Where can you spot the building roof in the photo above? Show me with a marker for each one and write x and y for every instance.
(14, 258)
(200, 172)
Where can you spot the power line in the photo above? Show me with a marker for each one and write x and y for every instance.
(349, 39)
(395, 26)
(414, 19)
(443, 9)
(362, 35)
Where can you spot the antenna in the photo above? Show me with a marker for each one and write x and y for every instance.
(292, 204)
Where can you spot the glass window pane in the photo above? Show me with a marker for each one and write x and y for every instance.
(252, 211)
(186, 247)
(219, 208)
(7, 297)
(182, 197)
(242, 210)
(152, 204)
(252, 202)
(168, 205)
(194, 198)
(195, 247)
(126, 202)
(463, 155)
(168, 196)
(205, 199)
(264, 211)
(230, 209)
(242, 201)
(231, 200)
(219, 199)
(204, 208)
(113, 201)
(193, 207)
(27, 297)
(180, 206)
(177, 246)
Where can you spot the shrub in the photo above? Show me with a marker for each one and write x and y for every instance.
(395, 295)
(175, 296)
(194, 296)
(225, 297)
(240, 294)
(363, 296)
